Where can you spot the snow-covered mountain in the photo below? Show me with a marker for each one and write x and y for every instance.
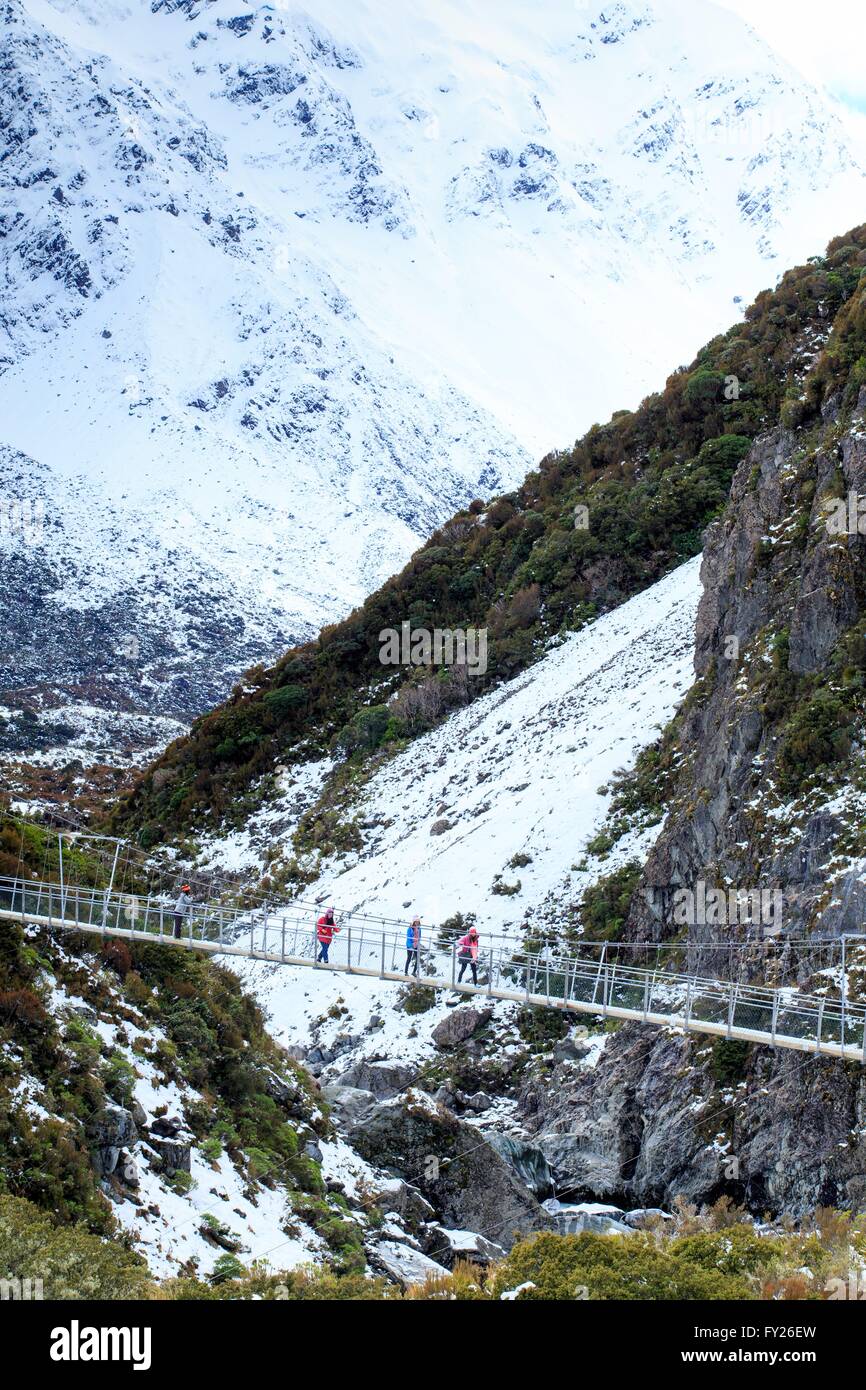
(282, 290)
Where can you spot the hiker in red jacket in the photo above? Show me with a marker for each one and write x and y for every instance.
(467, 954)
(325, 931)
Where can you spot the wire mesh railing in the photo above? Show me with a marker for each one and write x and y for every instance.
(589, 983)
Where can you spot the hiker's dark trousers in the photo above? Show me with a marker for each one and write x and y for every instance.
(178, 924)
(323, 953)
(473, 966)
(411, 956)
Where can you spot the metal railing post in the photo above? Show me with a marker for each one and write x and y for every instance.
(601, 961)
(732, 1004)
(844, 992)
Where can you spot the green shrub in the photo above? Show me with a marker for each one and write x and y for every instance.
(605, 903)
(417, 999)
(817, 736)
(736, 1250)
(730, 1056)
(610, 1267)
(72, 1263)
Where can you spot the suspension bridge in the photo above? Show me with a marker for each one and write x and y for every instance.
(597, 981)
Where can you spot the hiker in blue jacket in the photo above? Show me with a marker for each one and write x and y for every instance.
(413, 945)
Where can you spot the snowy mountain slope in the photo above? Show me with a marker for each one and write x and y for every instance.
(281, 291)
(225, 455)
(515, 774)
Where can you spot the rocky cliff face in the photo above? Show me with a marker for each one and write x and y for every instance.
(769, 794)
(778, 636)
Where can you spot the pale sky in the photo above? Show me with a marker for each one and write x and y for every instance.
(825, 39)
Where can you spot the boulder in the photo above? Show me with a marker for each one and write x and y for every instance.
(175, 1154)
(449, 1097)
(383, 1078)
(460, 1026)
(166, 1126)
(109, 1131)
(468, 1183)
(642, 1217)
(349, 1103)
(479, 1102)
(319, 1057)
(403, 1264)
(571, 1219)
(404, 1200)
(127, 1170)
(570, 1050)
(450, 1246)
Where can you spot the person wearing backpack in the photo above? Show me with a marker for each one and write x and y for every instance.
(467, 954)
(413, 946)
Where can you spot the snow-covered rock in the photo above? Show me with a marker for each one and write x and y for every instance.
(404, 1264)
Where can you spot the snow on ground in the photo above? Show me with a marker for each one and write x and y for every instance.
(165, 1221)
(241, 849)
(92, 733)
(518, 773)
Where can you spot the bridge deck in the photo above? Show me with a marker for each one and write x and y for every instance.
(787, 1018)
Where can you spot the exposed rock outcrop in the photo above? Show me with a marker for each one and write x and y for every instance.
(461, 1174)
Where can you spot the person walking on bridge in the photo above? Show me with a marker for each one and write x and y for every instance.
(467, 954)
(326, 930)
(413, 945)
(182, 908)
